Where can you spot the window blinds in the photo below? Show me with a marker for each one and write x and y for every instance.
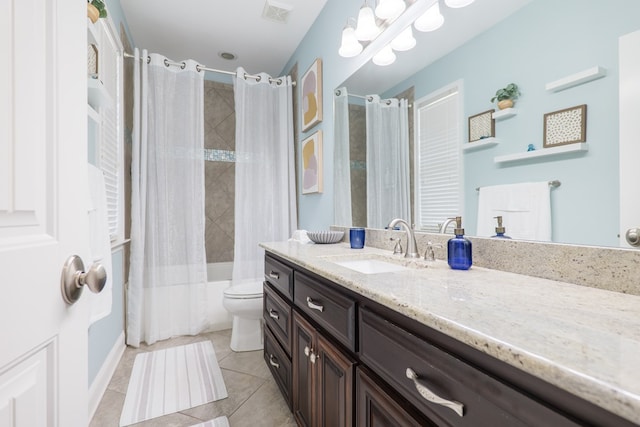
(438, 160)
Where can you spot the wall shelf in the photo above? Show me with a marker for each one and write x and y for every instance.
(92, 33)
(576, 79)
(97, 94)
(478, 145)
(544, 152)
(93, 114)
(504, 114)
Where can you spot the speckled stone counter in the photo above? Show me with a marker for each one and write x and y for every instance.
(583, 340)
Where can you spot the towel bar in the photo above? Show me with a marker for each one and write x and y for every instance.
(554, 183)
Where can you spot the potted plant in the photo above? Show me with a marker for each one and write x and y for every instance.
(96, 9)
(506, 96)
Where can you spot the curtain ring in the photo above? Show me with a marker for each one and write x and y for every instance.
(148, 60)
(388, 102)
(259, 78)
(338, 92)
(370, 98)
(184, 64)
(198, 69)
(166, 62)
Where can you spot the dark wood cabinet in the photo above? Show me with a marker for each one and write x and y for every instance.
(322, 379)
(376, 408)
(342, 359)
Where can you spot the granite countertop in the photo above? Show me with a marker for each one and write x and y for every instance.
(583, 340)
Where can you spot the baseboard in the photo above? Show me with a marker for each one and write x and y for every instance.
(101, 381)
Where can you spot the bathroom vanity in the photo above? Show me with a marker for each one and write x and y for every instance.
(428, 345)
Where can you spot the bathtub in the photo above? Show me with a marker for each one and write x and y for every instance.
(218, 279)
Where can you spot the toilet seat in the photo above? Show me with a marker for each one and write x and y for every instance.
(244, 291)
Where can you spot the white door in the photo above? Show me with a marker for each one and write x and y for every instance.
(629, 57)
(43, 211)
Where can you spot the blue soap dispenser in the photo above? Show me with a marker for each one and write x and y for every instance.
(459, 249)
(500, 229)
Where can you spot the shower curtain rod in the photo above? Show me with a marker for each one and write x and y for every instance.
(202, 67)
(366, 98)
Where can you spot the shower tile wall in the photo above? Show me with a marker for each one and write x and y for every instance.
(358, 163)
(219, 143)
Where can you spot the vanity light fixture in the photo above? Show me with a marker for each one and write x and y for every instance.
(431, 20)
(366, 29)
(456, 4)
(350, 45)
(390, 9)
(377, 40)
(404, 41)
(385, 56)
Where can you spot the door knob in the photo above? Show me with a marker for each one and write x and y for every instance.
(73, 278)
(633, 236)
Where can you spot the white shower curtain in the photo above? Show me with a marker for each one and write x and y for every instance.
(265, 204)
(387, 161)
(341, 160)
(167, 278)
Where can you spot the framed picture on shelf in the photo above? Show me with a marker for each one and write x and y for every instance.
(566, 126)
(482, 126)
(311, 152)
(311, 96)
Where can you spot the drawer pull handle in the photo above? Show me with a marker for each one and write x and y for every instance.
(313, 357)
(273, 314)
(424, 391)
(307, 350)
(274, 275)
(314, 306)
(271, 361)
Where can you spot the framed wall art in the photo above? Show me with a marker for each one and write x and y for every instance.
(482, 126)
(566, 126)
(311, 152)
(311, 96)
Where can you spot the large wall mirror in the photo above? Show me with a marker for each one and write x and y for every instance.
(531, 43)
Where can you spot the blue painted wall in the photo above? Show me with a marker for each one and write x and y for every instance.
(322, 41)
(543, 42)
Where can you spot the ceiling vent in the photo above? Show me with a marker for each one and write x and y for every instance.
(277, 12)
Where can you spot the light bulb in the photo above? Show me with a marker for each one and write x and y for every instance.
(350, 46)
(385, 56)
(431, 20)
(390, 9)
(366, 29)
(455, 4)
(404, 40)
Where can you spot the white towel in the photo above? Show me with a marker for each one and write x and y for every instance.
(525, 209)
(300, 236)
(100, 242)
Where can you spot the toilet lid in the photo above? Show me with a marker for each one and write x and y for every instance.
(244, 290)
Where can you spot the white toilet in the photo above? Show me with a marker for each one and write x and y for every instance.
(244, 302)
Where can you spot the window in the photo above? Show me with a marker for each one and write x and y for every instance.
(438, 159)
(107, 138)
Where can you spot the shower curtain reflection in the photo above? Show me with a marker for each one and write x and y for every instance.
(388, 193)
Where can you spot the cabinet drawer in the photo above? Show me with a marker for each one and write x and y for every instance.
(279, 365)
(277, 316)
(390, 351)
(280, 276)
(331, 310)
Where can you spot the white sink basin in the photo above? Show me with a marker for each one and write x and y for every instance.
(371, 266)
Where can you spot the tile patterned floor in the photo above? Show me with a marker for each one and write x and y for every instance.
(254, 398)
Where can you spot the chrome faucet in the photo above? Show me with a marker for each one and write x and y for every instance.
(412, 248)
(443, 227)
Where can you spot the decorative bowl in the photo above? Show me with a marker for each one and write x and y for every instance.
(325, 236)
